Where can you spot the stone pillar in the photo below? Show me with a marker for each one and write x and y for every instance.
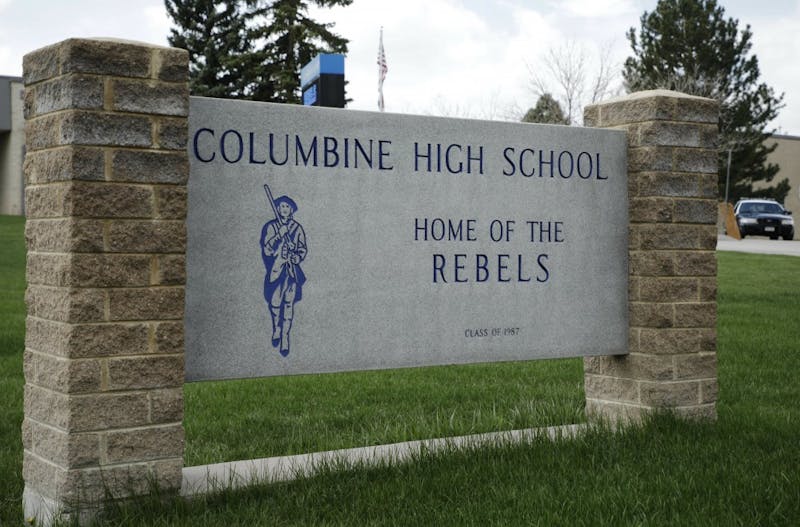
(106, 170)
(672, 193)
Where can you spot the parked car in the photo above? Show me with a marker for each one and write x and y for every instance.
(763, 217)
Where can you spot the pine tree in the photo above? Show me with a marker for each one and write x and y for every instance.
(290, 39)
(547, 110)
(214, 33)
(250, 49)
(689, 46)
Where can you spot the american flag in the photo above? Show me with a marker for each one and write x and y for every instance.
(382, 69)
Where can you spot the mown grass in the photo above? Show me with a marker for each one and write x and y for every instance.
(741, 470)
(12, 338)
(245, 419)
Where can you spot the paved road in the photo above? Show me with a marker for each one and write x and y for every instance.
(758, 244)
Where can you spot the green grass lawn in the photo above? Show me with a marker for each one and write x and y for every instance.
(226, 420)
(12, 342)
(741, 470)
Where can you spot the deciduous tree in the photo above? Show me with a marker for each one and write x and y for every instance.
(572, 77)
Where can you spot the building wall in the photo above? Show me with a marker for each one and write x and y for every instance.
(787, 156)
(12, 150)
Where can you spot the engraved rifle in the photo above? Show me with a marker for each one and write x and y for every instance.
(279, 258)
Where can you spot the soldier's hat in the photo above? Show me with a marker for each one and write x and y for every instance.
(289, 201)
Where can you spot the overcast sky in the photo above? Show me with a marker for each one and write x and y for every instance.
(467, 58)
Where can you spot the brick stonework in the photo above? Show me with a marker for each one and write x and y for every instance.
(672, 192)
(106, 170)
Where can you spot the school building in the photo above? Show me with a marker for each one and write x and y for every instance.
(12, 146)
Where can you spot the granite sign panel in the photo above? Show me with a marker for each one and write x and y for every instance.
(326, 240)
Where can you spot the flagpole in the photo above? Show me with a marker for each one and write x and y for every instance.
(382, 70)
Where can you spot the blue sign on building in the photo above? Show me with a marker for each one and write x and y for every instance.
(322, 81)
(310, 95)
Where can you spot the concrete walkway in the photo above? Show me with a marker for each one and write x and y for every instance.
(208, 478)
(758, 244)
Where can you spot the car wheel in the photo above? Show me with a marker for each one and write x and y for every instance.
(788, 236)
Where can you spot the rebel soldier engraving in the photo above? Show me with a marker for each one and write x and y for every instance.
(283, 249)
